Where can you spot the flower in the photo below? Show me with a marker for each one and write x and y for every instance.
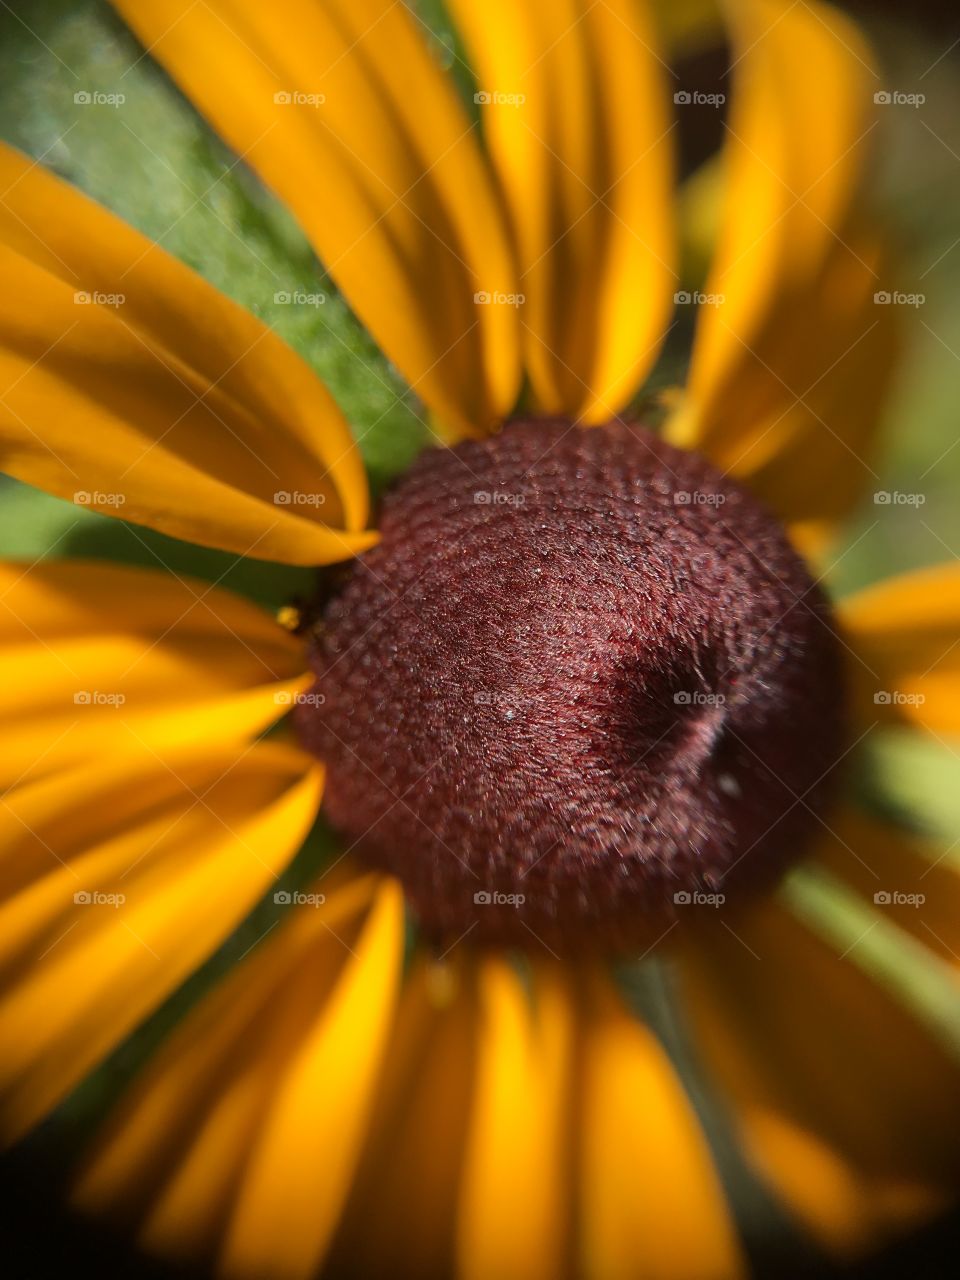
(327, 1101)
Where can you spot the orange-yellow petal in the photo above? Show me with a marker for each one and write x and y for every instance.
(906, 631)
(131, 386)
(791, 357)
(515, 1217)
(408, 1179)
(101, 660)
(651, 1200)
(844, 1101)
(347, 115)
(238, 1144)
(913, 880)
(117, 879)
(575, 112)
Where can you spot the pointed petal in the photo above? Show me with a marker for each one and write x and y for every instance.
(408, 1179)
(348, 117)
(585, 163)
(914, 881)
(116, 881)
(132, 386)
(276, 1064)
(845, 1104)
(652, 1201)
(100, 660)
(790, 366)
(907, 633)
(516, 1193)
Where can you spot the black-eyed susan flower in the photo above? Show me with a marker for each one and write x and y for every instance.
(581, 699)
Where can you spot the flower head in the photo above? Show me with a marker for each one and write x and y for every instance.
(581, 698)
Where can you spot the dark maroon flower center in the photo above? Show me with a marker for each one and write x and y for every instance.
(582, 688)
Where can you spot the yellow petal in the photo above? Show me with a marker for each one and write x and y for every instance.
(516, 1193)
(116, 881)
(348, 117)
(912, 880)
(133, 387)
(238, 1144)
(101, 660)
(578, 128)
(408, 1180)
(791, 356)
(652, 1202)
(906, 632)
(843, 1102)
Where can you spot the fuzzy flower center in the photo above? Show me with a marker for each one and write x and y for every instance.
(582, 688)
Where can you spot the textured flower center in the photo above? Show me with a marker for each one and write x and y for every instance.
(582, 688)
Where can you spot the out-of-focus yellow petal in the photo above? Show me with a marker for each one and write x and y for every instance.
(576, 117)
(912, 879)
(346, 114)
(408, 1179)
(844, 1103)
(131, 386)
(906, 631)
(516, 1196)
(238, 1144)
(791, 357)
(652, 1202)
(101, 660)
(116, 880)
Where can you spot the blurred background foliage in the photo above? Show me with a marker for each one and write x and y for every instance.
(155, 163)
